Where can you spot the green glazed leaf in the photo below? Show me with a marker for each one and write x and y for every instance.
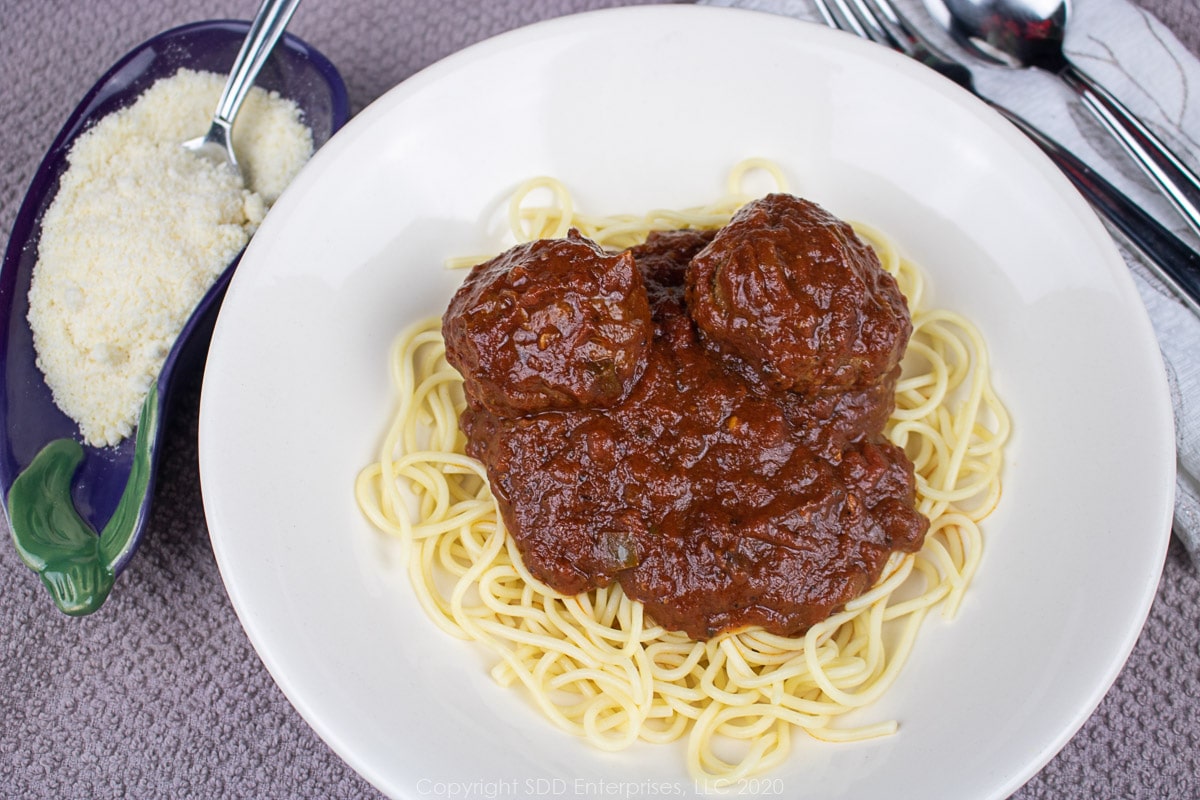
(76, 565)
(50, 535)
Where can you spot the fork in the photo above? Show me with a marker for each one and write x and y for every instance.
(1171, 260)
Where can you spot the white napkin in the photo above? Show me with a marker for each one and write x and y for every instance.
(1141, 62)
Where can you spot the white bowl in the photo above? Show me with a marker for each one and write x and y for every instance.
(650, 107)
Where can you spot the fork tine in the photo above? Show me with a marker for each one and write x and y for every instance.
(885, 10)
(870, 23)
(885, 17)
(837, 15)
(861, 18)
(826, 13)
(881, 22)
(903, 34)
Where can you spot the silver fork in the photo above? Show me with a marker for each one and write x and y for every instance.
(883, 24)
(1173, 261)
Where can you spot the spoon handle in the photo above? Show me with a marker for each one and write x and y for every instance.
(1179, 183)
(269, 24)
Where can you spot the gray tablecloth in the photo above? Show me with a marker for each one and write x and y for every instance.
(160, 694)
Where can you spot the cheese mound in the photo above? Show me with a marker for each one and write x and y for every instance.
(139, 230)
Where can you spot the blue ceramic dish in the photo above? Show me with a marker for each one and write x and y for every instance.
(80, 511)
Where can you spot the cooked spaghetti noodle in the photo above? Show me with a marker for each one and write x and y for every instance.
(594, 663)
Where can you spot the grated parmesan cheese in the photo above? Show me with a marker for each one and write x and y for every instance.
(137, 233)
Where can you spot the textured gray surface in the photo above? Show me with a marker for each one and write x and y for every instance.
(160, 693)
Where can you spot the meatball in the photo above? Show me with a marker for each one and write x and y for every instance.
(549, 325)
(793, 291)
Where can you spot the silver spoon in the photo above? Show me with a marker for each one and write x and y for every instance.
(1029, 33)
(268, 25)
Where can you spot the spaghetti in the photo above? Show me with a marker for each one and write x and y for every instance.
(594, 663)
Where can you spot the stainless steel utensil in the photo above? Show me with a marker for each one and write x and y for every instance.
(268, 25)
(1176, 264)
(1030, 33)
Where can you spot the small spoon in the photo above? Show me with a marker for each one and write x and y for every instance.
(268, 25)
(1029, 33)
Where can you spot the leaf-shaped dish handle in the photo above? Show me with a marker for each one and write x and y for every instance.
(77, 566)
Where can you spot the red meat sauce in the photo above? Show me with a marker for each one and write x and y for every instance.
(699, 417)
